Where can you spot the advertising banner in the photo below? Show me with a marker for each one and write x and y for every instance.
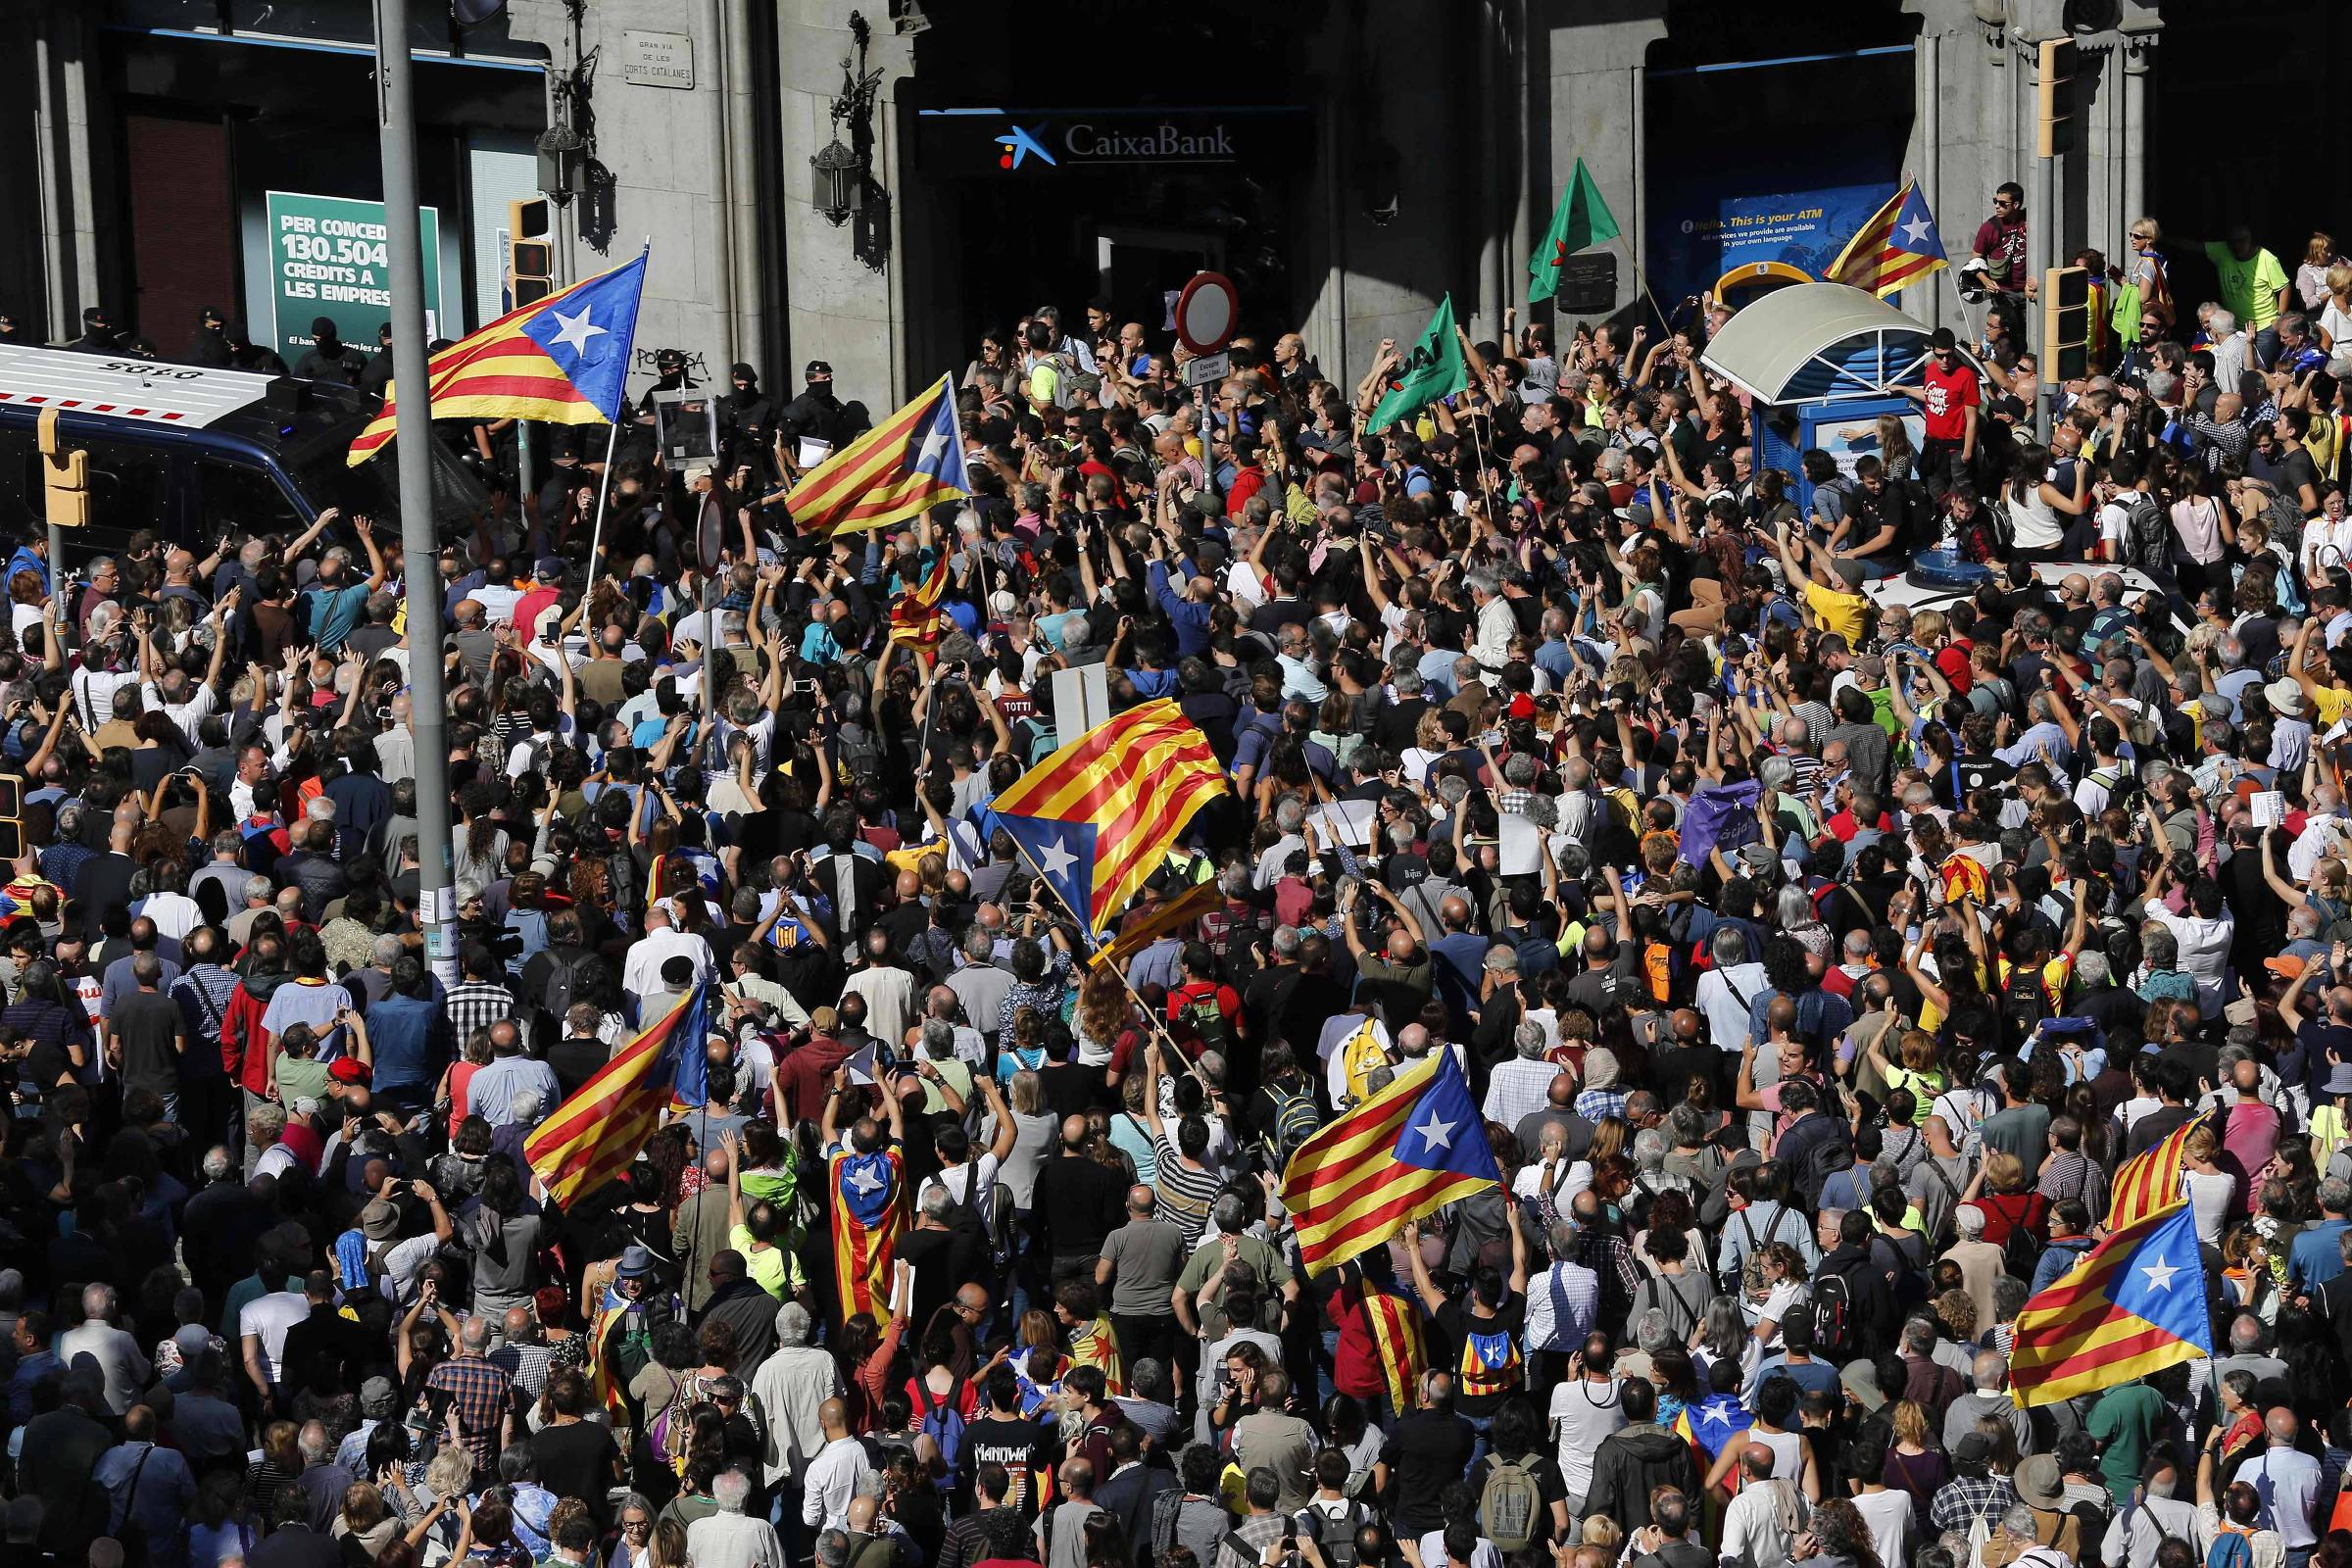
(328, 256)
(1707, 235)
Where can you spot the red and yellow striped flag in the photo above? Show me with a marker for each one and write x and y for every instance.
(601, 1125)
(908, 464)
(868, 1192)
(1396, 1338)
(1415, 1146)
(916, 621)
(2150, 1180)
(1096, 815)
(1149, 926)
(2134, 1304)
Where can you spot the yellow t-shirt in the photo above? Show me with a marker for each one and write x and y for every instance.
(1839, 611)
(774, 1269)
(1924, 1087)
(2249, 288)
(2328, 704)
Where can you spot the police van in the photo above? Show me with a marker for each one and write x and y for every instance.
(191, 453)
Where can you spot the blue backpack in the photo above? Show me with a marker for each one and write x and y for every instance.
(943, 1424)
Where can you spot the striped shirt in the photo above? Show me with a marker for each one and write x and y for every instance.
(1185, 1191)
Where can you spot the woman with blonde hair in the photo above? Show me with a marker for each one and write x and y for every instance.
(2000, 1190)
(365, 1520)
(2210, 1189)
(1895, 452)
(1915, 1463)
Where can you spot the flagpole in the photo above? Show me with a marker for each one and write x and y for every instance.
(604, 487)
(1158, 1027)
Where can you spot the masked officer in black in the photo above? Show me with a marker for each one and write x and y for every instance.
(245, 354)
(817, 415)
(207, 347)
(331, 359)
(746, 425)
(378, 374)
(98, 333)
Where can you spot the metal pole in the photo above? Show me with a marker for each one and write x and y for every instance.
(604, 490)
(524, 490)
(420, 542)
(2040, 220)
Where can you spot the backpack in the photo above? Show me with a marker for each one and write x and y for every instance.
(1833, 1326)
(554, 995)
(1657, 1293)
(1208, 1020)
(1509, 1502)
(1295, 1120)
(2121, 783)
(2149, 542)
(1166, 1508)
(1824, 1159)
(1359, 1056)
(2024, 1004)
(997, 1225)
(944, 1422)
(2231, 1548)
(1657, 968)
(1334, 1533)
(671, 1430)
(2021, 1254)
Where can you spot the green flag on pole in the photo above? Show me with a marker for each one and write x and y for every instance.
(1432, 369)
(1583, 219)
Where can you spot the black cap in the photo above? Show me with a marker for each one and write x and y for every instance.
(322, 327)
(1942, 341)
(383, 329)
(742, 370)
(819, 370)
(670, 357)
(210, 316)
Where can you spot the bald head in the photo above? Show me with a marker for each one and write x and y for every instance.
(1142, 1202)
(834, 1417)
(1074, 1135)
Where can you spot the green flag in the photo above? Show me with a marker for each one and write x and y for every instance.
(1432, 369)
(1583, 219)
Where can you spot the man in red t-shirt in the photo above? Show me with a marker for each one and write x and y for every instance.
(1954, 402)
(1201, 1008)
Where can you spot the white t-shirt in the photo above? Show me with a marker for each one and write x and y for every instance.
(269, 1317)
(2115, 529)
(977, 1176)
(1581, 1414)
(1889, 1515)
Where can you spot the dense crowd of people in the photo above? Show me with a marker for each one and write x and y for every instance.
(1815, 961)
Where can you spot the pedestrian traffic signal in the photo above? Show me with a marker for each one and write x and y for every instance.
(12, 816)
(530, 252)
(2065, 325)
(65, 478)
(2054, 101)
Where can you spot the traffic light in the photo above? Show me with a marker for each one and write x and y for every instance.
(12, 816)
(2054, 101)
(530, 252)
(65, 478)
(2066, 324)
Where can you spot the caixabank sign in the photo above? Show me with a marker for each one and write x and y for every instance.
(1042, 142)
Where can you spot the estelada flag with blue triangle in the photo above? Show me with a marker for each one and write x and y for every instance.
(1415, 1146)
(901, 468)
(1097, 817)
(1895, 248)
(564, 360)
(2134, 1304)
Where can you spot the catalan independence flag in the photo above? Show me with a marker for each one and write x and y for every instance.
(1097, 817)
(1896, 247)
(1395, 1334)
(2150, 1180)
(2134, 1304)
(599, 1127)
(1415, 1146)
(869, 1215)
(916, 621)
(564, 360)
(901, 468)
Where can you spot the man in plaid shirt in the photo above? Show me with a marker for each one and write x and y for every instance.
(1974, 1492)
(481, 1001)
(481, 1392)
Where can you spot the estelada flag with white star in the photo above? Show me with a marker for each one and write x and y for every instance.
(2134, 1304)
(564, 360)
(901, 468)
(591, 1138)
(868, 1192)
(1896, 247)
(1415, 1146)
(1096, 817)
